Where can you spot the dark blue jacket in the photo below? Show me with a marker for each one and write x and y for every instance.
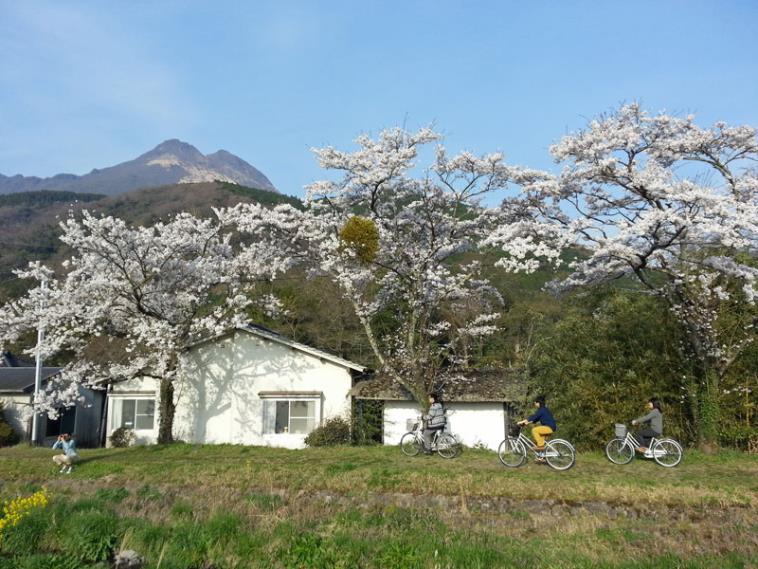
(543, 416)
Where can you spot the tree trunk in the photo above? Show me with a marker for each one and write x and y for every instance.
(709, 412)
(710, 415)
(167, 411)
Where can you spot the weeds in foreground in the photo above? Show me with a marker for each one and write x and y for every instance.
(279, 533)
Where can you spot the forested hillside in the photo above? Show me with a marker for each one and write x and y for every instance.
(29, 220)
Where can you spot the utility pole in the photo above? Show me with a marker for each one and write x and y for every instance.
(37, 378)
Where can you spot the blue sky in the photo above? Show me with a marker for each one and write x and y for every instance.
(91, 84)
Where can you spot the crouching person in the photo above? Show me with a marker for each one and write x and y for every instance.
(69, 456)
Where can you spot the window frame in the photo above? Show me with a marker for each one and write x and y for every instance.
(120, 400)
(272, 401)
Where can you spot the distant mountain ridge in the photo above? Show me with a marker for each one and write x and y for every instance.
(171, 162)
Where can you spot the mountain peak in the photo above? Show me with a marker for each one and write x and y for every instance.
(175, 147)
(174, 144)
(173, 161)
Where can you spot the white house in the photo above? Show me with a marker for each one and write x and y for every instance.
(250, 386)
(480, 408)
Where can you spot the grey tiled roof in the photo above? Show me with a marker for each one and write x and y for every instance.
(8, 359)
(21, 379)
(473, 386)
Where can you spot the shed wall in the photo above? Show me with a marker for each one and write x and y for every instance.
(475, 424)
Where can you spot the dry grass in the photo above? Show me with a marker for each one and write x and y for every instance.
(729, 479)
(374, 507)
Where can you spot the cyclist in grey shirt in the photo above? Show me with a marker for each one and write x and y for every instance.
(654, 420)
(435, 421)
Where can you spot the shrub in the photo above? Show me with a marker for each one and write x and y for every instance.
(367, 419)
(122, 437)
(316, 552)
(17, 511)
(90, 536)
(266, 502)
(334, 431)
(25, 537)
(8, 436)
(115, 495)
(47, 561)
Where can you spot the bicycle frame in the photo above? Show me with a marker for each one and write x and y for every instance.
(513, 452)
(629, 439)
(418, 433)
(530, 445)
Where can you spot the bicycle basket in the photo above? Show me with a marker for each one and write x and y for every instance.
(620, 430)
(411, 424)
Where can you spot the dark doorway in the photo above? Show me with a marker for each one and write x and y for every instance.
(63, 424)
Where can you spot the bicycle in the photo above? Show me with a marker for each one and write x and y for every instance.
(445, 444)
(559, 454)
(621, 450)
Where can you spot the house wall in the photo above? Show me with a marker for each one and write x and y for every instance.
(17, 411)
(473, 423)
(218, 398)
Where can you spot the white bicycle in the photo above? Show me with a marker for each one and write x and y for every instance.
(621, 450)
(444, 444)
(559, 454)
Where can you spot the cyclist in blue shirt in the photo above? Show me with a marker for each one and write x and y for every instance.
(547, 424)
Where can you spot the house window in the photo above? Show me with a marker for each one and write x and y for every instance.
(295, 416)
(135, 414)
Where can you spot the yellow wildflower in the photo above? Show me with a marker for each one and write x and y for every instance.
(15, 510)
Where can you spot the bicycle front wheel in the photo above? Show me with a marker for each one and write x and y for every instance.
(511, 452)
(619, 452)
(667, 452)
(447, 446)
(410, 445)
(559, 454)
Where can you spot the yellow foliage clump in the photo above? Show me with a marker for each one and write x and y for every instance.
(362, 237)
(16, 509)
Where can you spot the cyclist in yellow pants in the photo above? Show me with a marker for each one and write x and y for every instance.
(547, 424)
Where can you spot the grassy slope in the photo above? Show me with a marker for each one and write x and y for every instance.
(374, 507)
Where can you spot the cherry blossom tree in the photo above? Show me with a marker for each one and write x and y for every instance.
(394, 236)
(673, 206)
(150, 290)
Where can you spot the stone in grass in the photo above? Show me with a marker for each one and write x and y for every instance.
(128, 559)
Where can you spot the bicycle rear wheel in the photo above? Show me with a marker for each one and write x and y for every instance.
(410, 445)
(447, 446)
(667, 452)
(619, 452)
(511, 452)
(559, 454)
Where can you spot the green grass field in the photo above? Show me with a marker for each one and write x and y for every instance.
(185, 506)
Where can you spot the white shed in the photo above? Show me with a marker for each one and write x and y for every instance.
(251, 386)
(480, 407)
